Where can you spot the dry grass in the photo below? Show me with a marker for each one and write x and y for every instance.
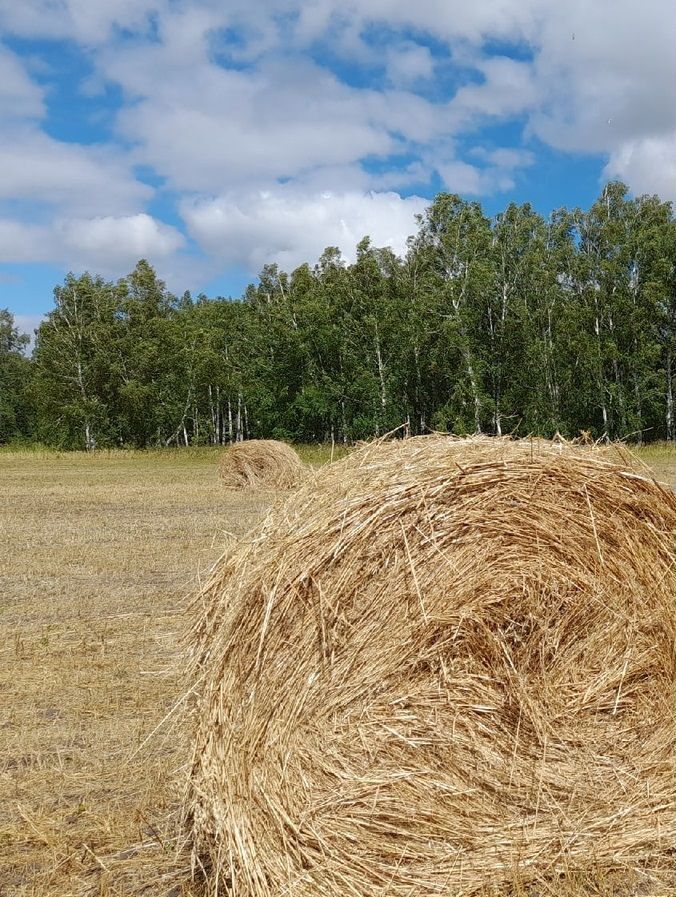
(447, 666)
(261, 464)
(660, 457)
(96, 556)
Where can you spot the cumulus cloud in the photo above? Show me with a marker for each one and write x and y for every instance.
(21, 242)
(87, 21)
(272, 154)
(20, 97)
(114, 241)
(446, 19)
(92, 21)
(83, 179)
(605, 69)
(409, 63)
(108, 245)
(496, 172)
(287, 228)
(648, 164)
(460, 177)
(207, 128)
(507, 89)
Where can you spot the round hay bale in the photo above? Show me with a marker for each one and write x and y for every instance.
(261, 464)
(443, 665)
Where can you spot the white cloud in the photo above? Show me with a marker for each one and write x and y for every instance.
(234, 119)
(208, 129)
(28, 324)
(91, 21)
(408, 63)
(20, 242)
(111, 242)
(506, 157)
(109, 245)
(446, 19)
(495, 175)
(19, 96)
(83, 179)
(508, 89)
(287, 228)
(460, 177)
(87, 21)
(606, 69)
(648, 164)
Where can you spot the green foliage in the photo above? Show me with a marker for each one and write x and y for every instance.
(15, 370)
(512, 325)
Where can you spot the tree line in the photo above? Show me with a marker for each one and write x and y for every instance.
(515, 324)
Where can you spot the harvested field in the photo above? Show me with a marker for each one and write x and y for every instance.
(96, 555)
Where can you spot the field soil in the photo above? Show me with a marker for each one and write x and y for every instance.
(98, 556)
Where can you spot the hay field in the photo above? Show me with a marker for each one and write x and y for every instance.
(96, 555)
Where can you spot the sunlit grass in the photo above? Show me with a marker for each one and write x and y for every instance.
(661, 458)
(312, 453)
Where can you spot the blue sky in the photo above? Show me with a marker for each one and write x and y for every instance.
(212, 136)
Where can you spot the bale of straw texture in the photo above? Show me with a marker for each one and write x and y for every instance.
(442, 665)
(261, 464)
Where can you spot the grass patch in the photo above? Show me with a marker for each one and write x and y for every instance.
(98, 554)
(661, 458)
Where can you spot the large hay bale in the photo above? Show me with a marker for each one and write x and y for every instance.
(443, 665)
(261, 464)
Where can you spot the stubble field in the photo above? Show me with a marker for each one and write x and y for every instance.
(98, 556)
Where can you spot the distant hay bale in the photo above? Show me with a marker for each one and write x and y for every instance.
(261, 464)
(442, 665)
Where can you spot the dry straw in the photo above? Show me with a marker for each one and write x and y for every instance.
(443, 665)
(261, 464)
